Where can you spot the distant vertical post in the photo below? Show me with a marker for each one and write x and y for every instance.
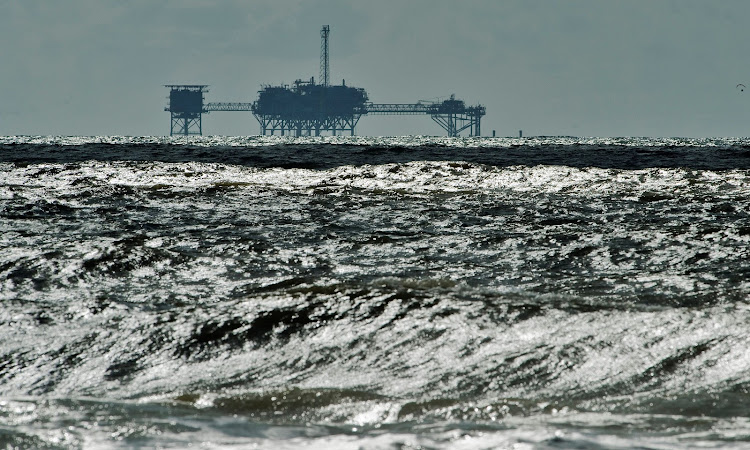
(520, 133)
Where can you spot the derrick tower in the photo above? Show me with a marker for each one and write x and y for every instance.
(325, 75)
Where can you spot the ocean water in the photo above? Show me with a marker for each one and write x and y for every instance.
(374, 293)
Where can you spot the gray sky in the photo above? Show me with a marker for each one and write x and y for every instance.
(549, 67)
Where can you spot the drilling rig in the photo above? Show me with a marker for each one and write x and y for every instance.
(307, 108)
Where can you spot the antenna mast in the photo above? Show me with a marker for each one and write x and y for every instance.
(325, 76)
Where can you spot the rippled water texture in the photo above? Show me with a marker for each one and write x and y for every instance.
(374, 292)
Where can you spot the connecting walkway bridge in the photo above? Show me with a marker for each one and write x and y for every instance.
(452, 115)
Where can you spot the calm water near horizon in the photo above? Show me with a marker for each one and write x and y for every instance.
(384, 293)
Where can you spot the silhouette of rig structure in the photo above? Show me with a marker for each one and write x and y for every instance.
(186, 108)
(308, 108)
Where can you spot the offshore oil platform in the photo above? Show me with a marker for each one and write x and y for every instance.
(307, 108)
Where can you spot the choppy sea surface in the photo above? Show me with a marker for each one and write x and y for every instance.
(375, 293)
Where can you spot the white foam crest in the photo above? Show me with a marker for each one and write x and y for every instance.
(42, 180)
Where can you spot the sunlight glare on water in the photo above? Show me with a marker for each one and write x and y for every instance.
(373, 292)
